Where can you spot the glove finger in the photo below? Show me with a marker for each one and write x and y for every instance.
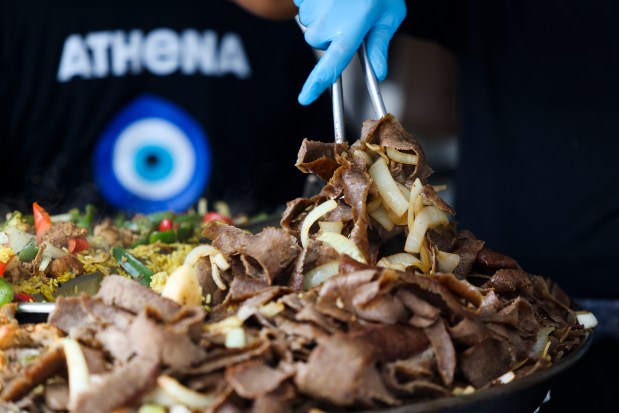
(378, 45)
(327, 70)
(317, 37)
(309, 13)
(378, 38)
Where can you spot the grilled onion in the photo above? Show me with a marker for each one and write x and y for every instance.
(429, 217)
(387, 187)
(342, 245)
(313, 216)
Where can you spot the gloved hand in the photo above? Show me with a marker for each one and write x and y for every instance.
(339, 27)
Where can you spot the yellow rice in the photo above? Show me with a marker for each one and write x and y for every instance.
(162, 259)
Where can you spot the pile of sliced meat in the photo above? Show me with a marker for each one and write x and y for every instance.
(345, 306)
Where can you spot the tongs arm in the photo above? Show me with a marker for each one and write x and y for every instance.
(371, 82)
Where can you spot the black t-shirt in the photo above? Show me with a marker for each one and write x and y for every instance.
(538, 175)
(149, 104)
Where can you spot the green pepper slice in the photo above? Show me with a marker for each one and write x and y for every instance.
(133, 266)
(6, 292)
(165, 237)
(29, 252)
(185, 231)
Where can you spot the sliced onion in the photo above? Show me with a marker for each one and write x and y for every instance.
(183, 286)
(160, 397)
(406, 193)
(378, 149)
(387, 187)
(49, 253)
(342, 245)
(45, 260)
(185, 395)
(384, 263)
(439, 188)
(17, 238)
(221, 327)
(447, 262)
(236, 338)
(79, 376)
(318, 275)
(426, 258)
(506, 378)
(151, 408)
(381, 216)
(398, 220)
(461, 391)
(404, 259)
(313, 216)
(374, 204)
(179, 408)
(271, 309)
(217, 276)
(401, 157)
(540, 342)
(429, 217)
(414, 195)
(202, 251)
(199, 252)
(331, 226)
(53, 251)
(587, 319)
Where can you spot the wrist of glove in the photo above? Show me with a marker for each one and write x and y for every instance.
(339, 27)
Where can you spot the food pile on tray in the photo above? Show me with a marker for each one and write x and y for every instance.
(367, 296)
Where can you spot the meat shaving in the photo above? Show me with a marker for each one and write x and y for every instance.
(367, 336)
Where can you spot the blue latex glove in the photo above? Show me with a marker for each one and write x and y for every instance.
(339, 27)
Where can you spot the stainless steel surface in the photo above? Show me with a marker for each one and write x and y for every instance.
(35, 308)
(371, 82)
(87, 283)
(337, 97)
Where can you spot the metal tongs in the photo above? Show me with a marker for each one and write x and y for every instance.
(337, 92)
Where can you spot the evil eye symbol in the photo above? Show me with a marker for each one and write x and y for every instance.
(153, 156)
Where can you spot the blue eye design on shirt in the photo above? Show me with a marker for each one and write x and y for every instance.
(152, 156)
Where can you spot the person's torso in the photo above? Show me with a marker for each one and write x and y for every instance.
(121, 94)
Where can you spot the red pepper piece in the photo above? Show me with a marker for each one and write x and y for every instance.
(77, 245)
(22, 298)
(216, 216)
(42, 221)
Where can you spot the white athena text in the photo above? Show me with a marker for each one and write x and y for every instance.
(161, 52)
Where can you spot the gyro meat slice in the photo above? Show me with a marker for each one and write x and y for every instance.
(271, 251)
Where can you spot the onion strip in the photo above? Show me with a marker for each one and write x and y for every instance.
(184, 395)
(379, 150)
(79, 375)
(381, 216)
(319, 274)
(429, 217)
(207, 251)
(387, 187)
(342, 245)
(447, 262)
(414, 194)
(331, 226)
(313, 216)
(374, 204)
(404, 259)
(401, 157)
